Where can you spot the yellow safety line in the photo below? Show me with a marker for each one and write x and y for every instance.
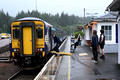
(83, 54)
(69, 68)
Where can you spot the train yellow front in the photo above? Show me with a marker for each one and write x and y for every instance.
(31, 41)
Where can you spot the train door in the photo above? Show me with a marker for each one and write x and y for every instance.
(27, 38)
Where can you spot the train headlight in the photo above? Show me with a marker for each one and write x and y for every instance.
(16, 50)
(39, 49)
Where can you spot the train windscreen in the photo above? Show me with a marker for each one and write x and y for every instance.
(39, 33)
(16, 34)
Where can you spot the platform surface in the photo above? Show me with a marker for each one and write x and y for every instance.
(4, 42)
(79, 66)
(64, 68)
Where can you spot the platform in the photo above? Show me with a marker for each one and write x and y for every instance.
(79, 66)
(4, 42)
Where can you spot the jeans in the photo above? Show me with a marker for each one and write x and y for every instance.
(79, 43)
(95, 54)
(57, 48)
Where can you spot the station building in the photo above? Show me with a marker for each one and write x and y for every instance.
(108, 22)
(113, 7)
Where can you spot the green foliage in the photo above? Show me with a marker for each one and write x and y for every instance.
(77, 33)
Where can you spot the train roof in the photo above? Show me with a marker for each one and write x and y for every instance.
(29, 19)
(34, 19)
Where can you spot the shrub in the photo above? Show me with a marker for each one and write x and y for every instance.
(77, 33)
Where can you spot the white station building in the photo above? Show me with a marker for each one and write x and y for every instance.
(113, 7)
(108, 22)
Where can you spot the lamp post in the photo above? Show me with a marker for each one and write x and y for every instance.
(36, 4)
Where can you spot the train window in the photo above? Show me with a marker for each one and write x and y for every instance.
(39, 33)
(39, 25)
(15, 26)
(16, 34)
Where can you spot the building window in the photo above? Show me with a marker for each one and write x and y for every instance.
(108, 32)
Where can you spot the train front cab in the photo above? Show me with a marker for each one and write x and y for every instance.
(28, 46)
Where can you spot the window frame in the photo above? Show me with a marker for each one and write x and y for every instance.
(18, 33)
(42, 33)
(107, 32)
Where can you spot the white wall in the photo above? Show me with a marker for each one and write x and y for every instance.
(87, 37)
(119, 40)
(110, 46)
(113, 24)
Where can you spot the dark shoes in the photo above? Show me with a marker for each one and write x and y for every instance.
(102, 57)
(95, 61)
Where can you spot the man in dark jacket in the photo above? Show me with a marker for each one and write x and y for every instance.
(94, 45)
(56, 42)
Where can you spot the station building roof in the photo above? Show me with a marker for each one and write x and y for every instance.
(114, 6)
(109, 17)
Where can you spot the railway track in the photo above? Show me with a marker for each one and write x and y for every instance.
(14, 75)
(25, 74)
(4, 60)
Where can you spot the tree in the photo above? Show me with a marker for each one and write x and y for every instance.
(62, 21)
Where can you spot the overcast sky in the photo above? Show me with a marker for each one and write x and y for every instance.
(55, 6)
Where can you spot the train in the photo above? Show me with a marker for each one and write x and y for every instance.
(31, 41)
(4, 35)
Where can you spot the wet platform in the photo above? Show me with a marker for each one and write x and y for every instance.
(83, 68)
(79, 66)
(4, 42)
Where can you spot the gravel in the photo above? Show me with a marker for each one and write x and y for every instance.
(7, 69)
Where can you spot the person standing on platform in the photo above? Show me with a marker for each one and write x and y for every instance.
(56, 42)
(102, 43)
(72, 36)
(94, 45)
(79, 39)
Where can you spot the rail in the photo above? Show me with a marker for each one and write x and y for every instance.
(15, 74)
